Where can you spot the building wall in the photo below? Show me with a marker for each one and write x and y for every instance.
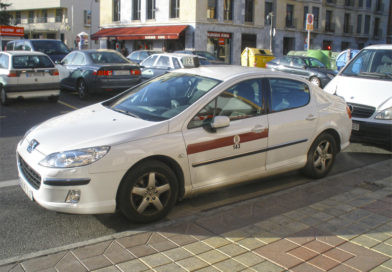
(194, 14)
(72, 22)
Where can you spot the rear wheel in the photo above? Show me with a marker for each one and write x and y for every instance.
(148, 192)
(321, 156)
(316, 81)
(3, 97)
(82, 89)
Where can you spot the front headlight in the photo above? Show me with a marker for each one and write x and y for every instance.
(385, 114)
(74, 158)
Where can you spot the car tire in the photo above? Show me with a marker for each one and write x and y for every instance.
(316, 81)
(82, 89)
(3, 97)
(53, 98)
(321, 156)
(148, 192)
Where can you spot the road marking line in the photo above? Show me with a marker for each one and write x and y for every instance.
(67, 105)
(9, 183)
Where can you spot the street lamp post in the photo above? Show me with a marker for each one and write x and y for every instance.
(270, 17)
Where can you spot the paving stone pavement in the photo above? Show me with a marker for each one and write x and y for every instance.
(339, 223)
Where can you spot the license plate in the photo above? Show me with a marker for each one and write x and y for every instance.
(121, 73)
(26, 189)
(36, 74)
(355, 126)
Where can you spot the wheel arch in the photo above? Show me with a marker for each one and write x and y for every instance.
(171, 163)
(334, 134)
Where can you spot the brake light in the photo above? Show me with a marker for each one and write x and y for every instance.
(349, 113)
(13, 74)
(103, 73)
(135, 72)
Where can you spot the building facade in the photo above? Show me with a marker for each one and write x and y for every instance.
(226, 27)
(56, 19)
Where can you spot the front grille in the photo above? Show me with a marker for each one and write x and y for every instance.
(31, 176)
(361, 111)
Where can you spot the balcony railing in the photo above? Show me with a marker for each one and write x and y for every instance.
(35, 20)
(348, 29)
(377, 34)
(291, 23)
(330, 27)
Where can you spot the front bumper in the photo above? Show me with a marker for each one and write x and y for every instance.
(49, 187)
(372, 132)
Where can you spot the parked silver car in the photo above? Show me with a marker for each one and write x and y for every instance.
(28, 74)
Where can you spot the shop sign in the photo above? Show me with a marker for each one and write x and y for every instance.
(221, 41)
(219, 35)
(11, 31)
(154, 37)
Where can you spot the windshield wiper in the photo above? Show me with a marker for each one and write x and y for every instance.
(375, 75)
(127, 113)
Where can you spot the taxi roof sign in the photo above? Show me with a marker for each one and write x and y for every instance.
(190, 61)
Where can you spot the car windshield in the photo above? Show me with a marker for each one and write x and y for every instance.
(50, 47)
(31, 61)
(107, 57)
(372, 64)
(163, 97)
(314, 63)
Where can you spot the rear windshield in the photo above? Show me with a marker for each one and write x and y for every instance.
(107, 57)
(50, 47)
(31, 61)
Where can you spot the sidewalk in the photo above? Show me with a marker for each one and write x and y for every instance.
(339, 223)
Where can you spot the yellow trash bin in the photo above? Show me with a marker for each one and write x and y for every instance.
(255, 57)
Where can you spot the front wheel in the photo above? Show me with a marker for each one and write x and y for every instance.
(148, 192)
(321, 156)
(316, 81)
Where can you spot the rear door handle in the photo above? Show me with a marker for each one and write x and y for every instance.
(311, 117)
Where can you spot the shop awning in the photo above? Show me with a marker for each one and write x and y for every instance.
(141, 33)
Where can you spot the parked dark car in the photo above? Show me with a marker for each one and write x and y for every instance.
(97, 71)
(310, 68)
(139, 55)
(55, 49)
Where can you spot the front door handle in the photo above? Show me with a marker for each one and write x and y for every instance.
(258, 129)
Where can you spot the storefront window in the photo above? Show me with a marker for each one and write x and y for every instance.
(219, 44)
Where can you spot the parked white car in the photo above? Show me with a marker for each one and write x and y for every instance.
(28, 75)
(366, 85)
(185, 132)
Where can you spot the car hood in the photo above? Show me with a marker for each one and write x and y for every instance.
(375, 93)
(92, 126)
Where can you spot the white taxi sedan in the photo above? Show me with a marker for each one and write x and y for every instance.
(186, 132)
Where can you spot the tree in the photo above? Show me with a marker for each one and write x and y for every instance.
(4, 14)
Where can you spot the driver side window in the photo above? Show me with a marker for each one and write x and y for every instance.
(242, 100)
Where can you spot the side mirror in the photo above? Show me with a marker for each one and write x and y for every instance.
(220, 122)
(217, 122)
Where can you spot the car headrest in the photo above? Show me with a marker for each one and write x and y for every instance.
(386, 59)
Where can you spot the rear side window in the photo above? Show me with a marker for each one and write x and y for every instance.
(31, 61)
(19, 45)
(4, 60)
(287, 94)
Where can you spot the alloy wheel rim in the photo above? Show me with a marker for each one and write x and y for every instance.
(323, 156)
(150, 194)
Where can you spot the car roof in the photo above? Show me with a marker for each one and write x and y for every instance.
(178, 55)
(24, 53)
(226, 72)
(379, 46)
